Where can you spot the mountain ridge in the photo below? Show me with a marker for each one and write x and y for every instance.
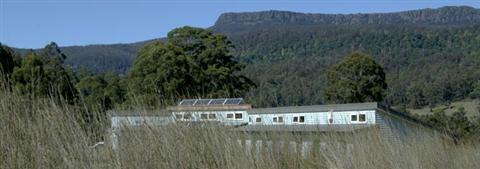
(119, 57)
(427, 17)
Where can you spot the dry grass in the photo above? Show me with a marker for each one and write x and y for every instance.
(471, 108)
(43, 134)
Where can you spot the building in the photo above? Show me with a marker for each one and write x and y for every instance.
(317, 118)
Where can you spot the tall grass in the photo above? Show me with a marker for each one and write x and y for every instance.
(42, 133)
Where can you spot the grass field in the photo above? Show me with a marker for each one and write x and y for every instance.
(43, 134)
(472, 108)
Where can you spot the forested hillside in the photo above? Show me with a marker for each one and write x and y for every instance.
(424, 66)
(430, 56)
(100, 58)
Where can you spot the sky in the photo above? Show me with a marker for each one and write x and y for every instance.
(35, 23)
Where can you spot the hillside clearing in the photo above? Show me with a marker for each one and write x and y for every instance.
(472, 108)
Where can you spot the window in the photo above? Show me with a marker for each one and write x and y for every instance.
(187, 116)
(358, 118)
(362, 118)
(212, 116)
(178, 116)
(354, 117)
(238, 116)
(278, 119)
(299, 119)
(208, 116)
(204, 116)
(258, 120)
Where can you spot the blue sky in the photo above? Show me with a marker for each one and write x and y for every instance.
(34, 23)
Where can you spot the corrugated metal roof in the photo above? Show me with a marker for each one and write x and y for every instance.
(316, 108)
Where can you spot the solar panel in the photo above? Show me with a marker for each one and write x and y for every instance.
(206, 102)
(234, 101)
(203, 101)
(188, 102)
(217, 101)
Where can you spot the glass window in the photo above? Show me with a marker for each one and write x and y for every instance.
(212, 116)
(302, 119)
(187, 116)
(295, 119)
(179, 116)
(362, 117)
(280, 119)
(238, 116)
(354, 117)
(258, 120)
(275, 119)
(203, 116)
(229, 116)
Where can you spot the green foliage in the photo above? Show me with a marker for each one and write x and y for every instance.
(159, 70)
(101, 91)
(457, 125)
(475, 94)
(432, 65)
(430, 56)
(6, 60)
(43, 75)
(438, 119)
(193, 62)
(355, 79)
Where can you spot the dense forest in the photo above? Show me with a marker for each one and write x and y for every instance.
(445, 60)
(430, 56)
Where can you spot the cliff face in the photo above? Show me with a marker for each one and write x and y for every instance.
(446, 16)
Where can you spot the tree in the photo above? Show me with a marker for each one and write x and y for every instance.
(476, 90)
(356, 78)
(6, 60)
(193, 62)
(44, 75)
(477, 125)
(438, 119)
(101, 91)
(459, 125)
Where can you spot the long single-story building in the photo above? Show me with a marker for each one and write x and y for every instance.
(234, 112)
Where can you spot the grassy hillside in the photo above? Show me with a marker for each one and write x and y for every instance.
(472, 108)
